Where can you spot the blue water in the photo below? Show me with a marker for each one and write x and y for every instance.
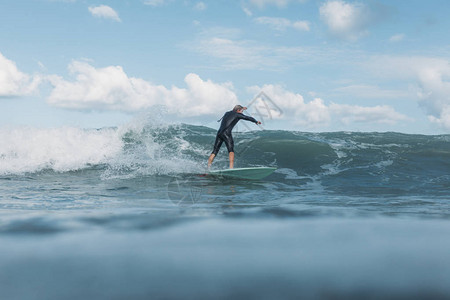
(124, 212)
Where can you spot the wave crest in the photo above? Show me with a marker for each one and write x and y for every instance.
(26, 150)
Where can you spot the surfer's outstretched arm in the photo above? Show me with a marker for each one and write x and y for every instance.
(248, 118)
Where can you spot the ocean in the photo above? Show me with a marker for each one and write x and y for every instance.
(127, 213)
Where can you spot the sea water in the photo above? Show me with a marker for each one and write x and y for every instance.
(127, 213)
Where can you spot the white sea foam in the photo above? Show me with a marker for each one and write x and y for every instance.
(146, 145)
(154, 147)
(28, 149)
(290, 174)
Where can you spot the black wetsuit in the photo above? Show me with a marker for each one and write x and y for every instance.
(229, 120)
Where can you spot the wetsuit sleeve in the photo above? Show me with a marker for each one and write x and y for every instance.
(247, 118)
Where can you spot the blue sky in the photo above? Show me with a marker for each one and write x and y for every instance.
(324, 65)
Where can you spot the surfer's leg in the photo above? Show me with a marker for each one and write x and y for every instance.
(217, 145)
(228, 139)
(210, 159)
(231, 157)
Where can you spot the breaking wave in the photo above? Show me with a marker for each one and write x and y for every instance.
(340, 161)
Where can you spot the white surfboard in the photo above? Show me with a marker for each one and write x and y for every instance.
(244, 173)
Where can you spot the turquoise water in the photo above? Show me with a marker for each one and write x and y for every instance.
(119, 213)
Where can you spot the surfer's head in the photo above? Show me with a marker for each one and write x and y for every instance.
(239, 108)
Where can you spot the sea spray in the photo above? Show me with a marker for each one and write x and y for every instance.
(145, 146)
(29, 150)
(152, 146)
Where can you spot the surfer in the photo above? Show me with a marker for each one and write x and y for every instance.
(229, 120)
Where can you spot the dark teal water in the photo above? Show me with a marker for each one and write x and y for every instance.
(124, 212)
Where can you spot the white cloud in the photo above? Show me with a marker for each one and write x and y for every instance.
(247, 11)
(13, 82)
(261, 4)
(234, 53)
(104, 11)
(221, 32)
(317, 114)
(432, 77)
(239, 54)
(435, 93)
(224, 44)
(397, 38)
(275, 23)
(282, 23)
(200, 6)
(443, 120)
(365, 91)
(345, 20)
(301, 25)
(383, 114)
(110, 88)
(156, 2)
(278, 3)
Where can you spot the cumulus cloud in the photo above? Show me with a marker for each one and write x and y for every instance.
(443, 119)
(282, 24)
(104, 11)
(368, 114)
(312, 114)
(350, 21)
(317, 114)
(110, 88)
(434, 93)
(13, 82)
(431, 75)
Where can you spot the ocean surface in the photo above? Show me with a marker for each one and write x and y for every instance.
(127, 213)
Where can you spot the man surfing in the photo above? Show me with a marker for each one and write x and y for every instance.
(229, 120)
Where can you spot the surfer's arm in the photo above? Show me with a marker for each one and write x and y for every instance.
(248, 118)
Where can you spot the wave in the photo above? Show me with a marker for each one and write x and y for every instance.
(340, 160)
(28, 150)
(131, 150)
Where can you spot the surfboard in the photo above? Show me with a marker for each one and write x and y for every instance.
(244, 173)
